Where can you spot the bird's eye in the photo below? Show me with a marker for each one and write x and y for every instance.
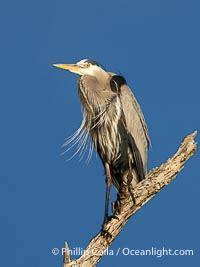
(86, 65)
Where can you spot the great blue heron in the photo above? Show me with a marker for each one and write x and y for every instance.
(115, 122)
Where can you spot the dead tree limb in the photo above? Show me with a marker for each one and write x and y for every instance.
(156, 179)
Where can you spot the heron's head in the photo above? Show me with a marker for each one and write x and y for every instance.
(83, 67)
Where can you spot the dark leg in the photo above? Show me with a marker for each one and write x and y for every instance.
(108, 187)
(129, 180)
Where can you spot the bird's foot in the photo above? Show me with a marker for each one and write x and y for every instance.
(132, 197)
(106, 220)
(130, 190)
(122, 198)
(106, 234)
(104, 230)
(116, 207)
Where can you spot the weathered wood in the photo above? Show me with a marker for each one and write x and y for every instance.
(156, 179)
(66, 254)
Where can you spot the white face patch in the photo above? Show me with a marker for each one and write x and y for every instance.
(81, 61)
(91, 70)
(88, 69)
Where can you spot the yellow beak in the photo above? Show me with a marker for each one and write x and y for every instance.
(70, 67)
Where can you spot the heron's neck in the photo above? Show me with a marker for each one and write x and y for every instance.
(102, 77)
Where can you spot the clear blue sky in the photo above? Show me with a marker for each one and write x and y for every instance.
(44, 200)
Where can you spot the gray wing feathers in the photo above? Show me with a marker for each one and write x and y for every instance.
(135, 122)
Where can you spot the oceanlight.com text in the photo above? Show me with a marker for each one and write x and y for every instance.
(153, 251)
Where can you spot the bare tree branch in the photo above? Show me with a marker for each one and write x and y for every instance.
(66, 254)
(156, 179)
